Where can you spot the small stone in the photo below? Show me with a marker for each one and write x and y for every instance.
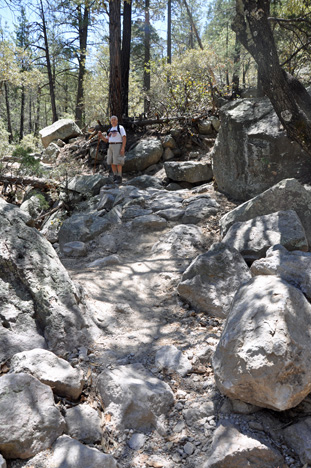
(189, 448)
(179, 426)
(137, 441)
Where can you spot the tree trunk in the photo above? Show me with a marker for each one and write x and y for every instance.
(8, 112)
(126, 54)
(83, 30)
(30, 114)
(169, 31)
(115, 96)
(37, 121)
(289, 98)
(147, 57)
(193, 26)
(236, 68)
(22, 116)
(48, 63)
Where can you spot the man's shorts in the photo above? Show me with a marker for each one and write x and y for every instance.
(114, 156)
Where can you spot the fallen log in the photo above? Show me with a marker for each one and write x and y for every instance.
(24, 181)
(143, 123)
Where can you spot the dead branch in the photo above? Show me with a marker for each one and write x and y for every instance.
(33, 182)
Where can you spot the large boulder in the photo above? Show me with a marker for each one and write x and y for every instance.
(29, 419)
(264, 352)
(212, 279)
(293, 267)
(182, 242)
(233, 449)
(189, 171)
(31, 266)
(88, 184)
(252, 151)
(288, 194)
(69, 453)
(82, 228)
(63, 129)
(145, 154)
(51, 370)
(134, 396)
(253, 238)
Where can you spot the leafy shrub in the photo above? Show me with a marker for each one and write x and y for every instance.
(29, 165)
(4, 139)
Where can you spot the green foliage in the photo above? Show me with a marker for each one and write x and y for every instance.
(4, 139)
(31, 143)
(29, 165)
(43, 203)
(185, 86)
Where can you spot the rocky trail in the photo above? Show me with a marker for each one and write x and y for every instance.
(127, 289)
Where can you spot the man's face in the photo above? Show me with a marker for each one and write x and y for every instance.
(114, 122)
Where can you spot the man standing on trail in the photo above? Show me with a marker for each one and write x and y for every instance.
(116, 137)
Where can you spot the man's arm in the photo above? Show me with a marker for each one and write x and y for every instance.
(123, 145)
(101, 136)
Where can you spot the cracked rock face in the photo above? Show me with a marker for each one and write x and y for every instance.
(264, 352)
(29, 419)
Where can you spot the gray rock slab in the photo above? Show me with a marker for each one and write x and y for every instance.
(151, 221)
(75, 249)
(199, 209)
(165, 200)
(212, 279)
(171, 214)
(62, 129)
(84, 424)
(172, 360)
(254, 237)
(264, 352)
(232, 449)
(132, 212)
(30, 260)
(293, 267)
(2, 462)
(298, 437)
(29, 419)
(51, 370)
(145, 154)
(136, 398)
(82, 228)
(70, 453)
(106, 201)
(252, 151)
(87, 184)
(105, 261)
(288, 194)
(145, 181)
(182, 241)
(189, 171)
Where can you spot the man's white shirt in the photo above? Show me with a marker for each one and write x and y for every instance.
(116, 137)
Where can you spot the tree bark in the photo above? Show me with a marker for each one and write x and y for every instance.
(8, 112)
(169, 31)
(48, 63)
(125, 55)
(115, 95)
(236, 68)
(22, 116)
(147, 56)
(289, 98)
(83, 18)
